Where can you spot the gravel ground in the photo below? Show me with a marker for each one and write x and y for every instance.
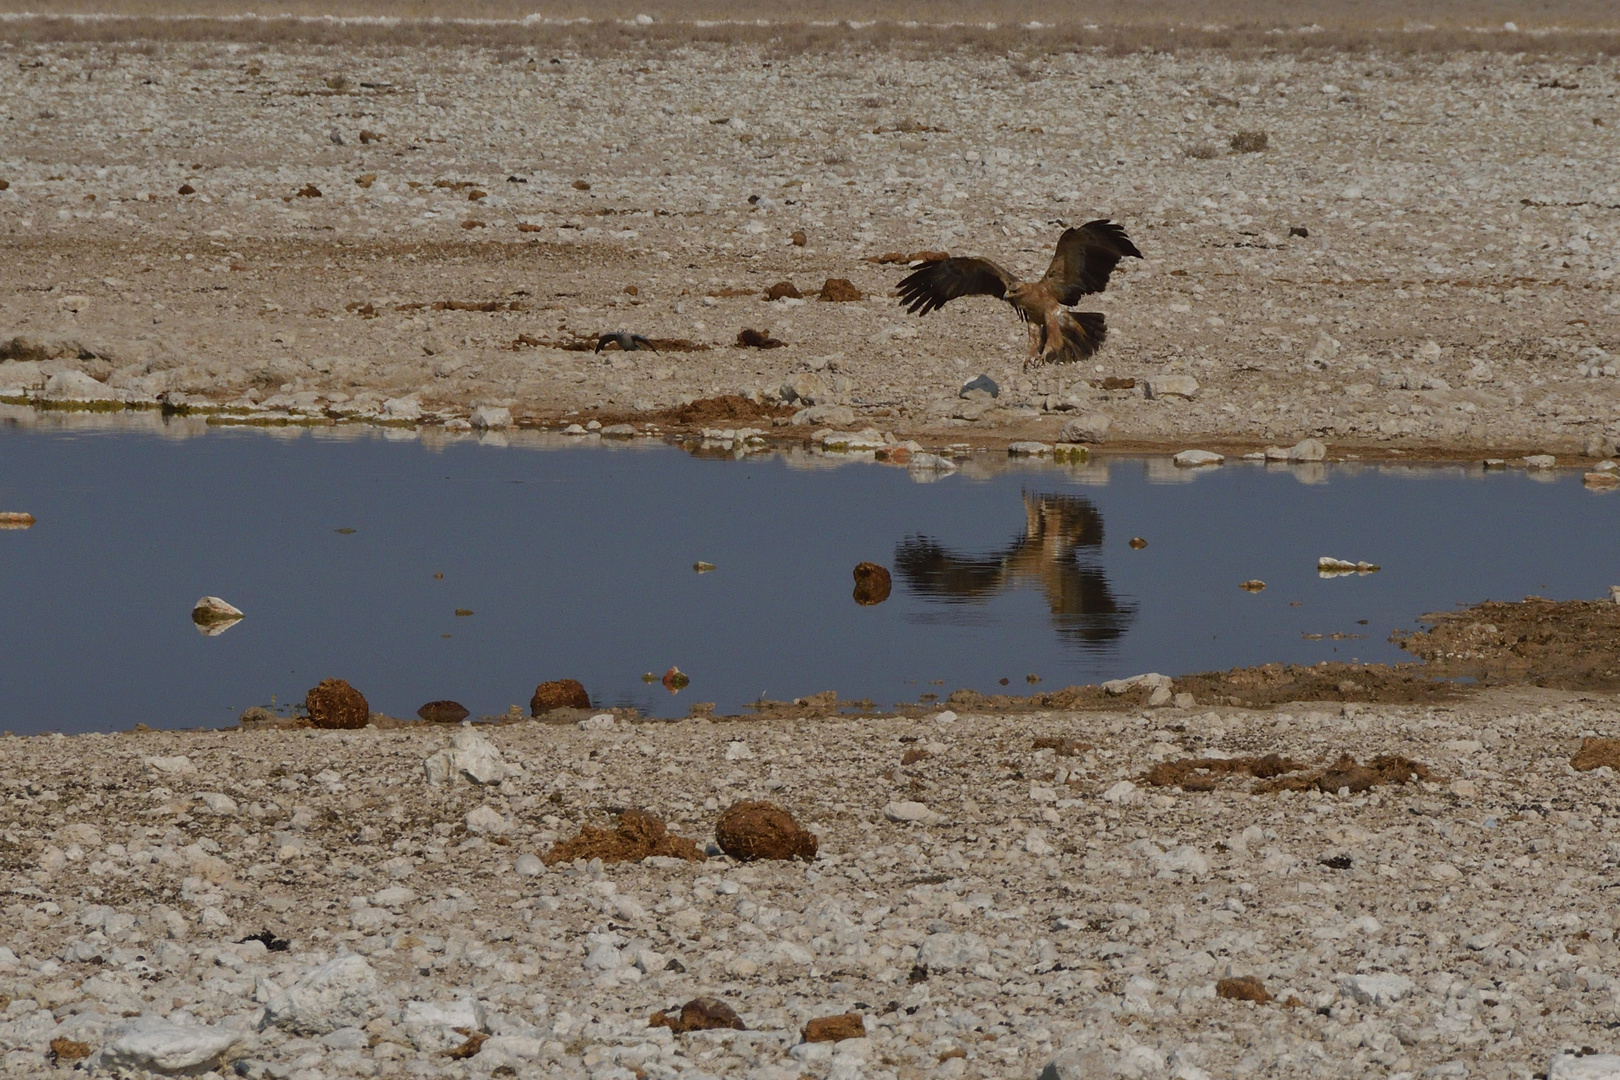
(1422, 257)
(1029, 905)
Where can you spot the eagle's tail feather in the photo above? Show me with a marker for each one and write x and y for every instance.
(1081, 334)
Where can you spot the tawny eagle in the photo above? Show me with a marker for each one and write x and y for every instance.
(1085, 257)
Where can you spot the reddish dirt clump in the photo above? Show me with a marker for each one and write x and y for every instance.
(558, 694)
(757, 339)
(64, 1050)
(872, 584)
(1063, 747)
(443, 712)
(781, 289)
(839, 289)
(1345, 773)
(762, 830)
(699, 1014)
(914, 755)
(723, 411)
(835, 1028)
(1202, 774)
(1595, 754)
(1243, 988)
(639, 835)
(1562, 645)
(336, 704)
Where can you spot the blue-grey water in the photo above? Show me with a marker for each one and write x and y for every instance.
(576, 562)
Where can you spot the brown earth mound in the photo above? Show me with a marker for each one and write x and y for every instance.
(336, 704)
(1063, 747)
(781, 289)
(757, 339)
(443, 712)
(1243, 988)
(1345, 773)
(872, 584)
(839, 289)
(699, 1014)
(1562, 645)
(558, 694)
(728, 408)
(1595, 754)
(1203, 774)
(762, 830)
(835, 1028)
(639, 835)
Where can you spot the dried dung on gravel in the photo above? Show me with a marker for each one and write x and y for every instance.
(835, 1028)
(336, 704)
(475, 1042)
(783, 289)
(1061, 746)
(1243, 988)
(64, 1049)
(1561, 645)
(763, 830)
(1275, 684)
(839, 290)
(443, 712)
(558, 694)
(709, 412)
(1595, 754)
(1203, 774)
(1345, 773)
(757, 339)
(873, 584)
(699, 1014)
(914, 755)
(639, 835)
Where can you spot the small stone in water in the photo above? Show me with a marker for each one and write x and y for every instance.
(558, 694)
(1138, 543)
(873, 583)
(675, 680)
(336, 704)
(443, 712)
(1253, 585)
(702, 567)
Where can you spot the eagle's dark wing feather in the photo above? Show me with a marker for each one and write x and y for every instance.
(938, 282)
(1085, 257)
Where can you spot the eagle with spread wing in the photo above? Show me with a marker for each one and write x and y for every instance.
(1085, 257)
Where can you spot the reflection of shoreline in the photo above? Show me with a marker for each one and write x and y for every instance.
(1056, 529)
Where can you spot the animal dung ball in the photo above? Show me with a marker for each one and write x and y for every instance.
(872, 584)
(336, 704)
(763, 830)
(558, 694)
(443, 712)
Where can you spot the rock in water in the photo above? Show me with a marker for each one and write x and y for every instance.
(559, 694)
(211, 610)
(443, 712)
(489, 417)
(336, 704)
(872, 584)
(16, 519)
(1192, 459)
(762, 830)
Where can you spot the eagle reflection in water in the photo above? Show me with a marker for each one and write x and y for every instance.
(1057, 529)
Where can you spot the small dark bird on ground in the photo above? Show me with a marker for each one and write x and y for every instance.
(625, 340)
(1085, 257)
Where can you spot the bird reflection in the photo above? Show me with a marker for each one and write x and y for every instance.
(1057, 530)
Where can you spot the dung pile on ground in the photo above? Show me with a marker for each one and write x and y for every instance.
(336, 704)
(1345, 773)
(1562, 645)
(443, 712)
(1204, 774)
(712, 411)
(1243, 988)
(558, 694)
(1279, 773)
(1060, 746)
(873, 583)
(1595, 754)
(638, 836)
(762, 830)
(699, 1014)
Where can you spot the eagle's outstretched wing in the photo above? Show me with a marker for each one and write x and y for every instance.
(1085, 257)
(936, 283)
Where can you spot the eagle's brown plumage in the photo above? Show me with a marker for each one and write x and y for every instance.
(1085, 257)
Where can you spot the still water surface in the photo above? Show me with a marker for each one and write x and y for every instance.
(576, 561)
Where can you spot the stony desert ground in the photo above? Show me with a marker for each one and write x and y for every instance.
(1422, 256)
(987, 906)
